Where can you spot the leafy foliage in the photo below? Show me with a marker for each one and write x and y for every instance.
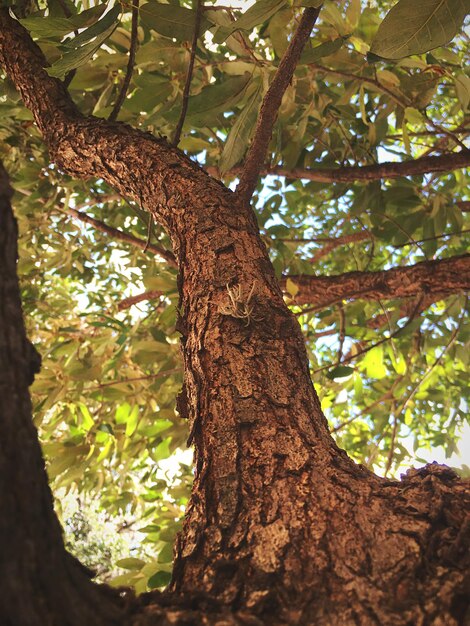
(390, 375)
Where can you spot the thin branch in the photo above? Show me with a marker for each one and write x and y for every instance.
(415, 389)
(421, 165)
(131, 380)
(342, 331)
(341, 241)
(189, 75)
(407, 306)
(119, 235)
(400, 98)
(436, 362)
(417, 241)
(351, 357)
(140, 297)
(271, 103)
(367, 409)
(130, 63)
(395, 429)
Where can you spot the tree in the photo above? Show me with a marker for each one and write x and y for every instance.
(281, 526)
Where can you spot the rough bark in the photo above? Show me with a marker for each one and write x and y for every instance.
(282, 527)
(434, 280)
(40, 583)
(440, 277)
(350, 174)
(271, 103)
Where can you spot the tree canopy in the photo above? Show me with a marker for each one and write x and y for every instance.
(362, 204)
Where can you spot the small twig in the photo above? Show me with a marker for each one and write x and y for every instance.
(391, 453)
(418, 241)
(351, 357)
(131, 380)
(403, 406)
(121, 236)
(342, 331)
(149, 232)
(189, 75)
(437, 360)
(333, 243)
(140, 297)
(130, 63)
(367, 409)
(271, 103)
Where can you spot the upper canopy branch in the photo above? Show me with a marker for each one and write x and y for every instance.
(421, 165)
(271, 103)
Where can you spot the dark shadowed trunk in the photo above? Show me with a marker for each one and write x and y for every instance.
(282, 527)
(40, 583)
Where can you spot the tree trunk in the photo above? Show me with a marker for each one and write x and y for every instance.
(282, 527)
(41, 584)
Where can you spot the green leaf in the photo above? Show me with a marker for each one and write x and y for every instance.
(166, 554)
(132, 420)
(414, 27)
(373, 363)
(258, 13)
(462, 87)
(160, 579)
(44, 27)
(322, 50)
(87, 422)
(171, 20)
(95, 30)
(215, 99)
(77, 57)
(342, 371)
(131, 563)
(291, 288)
(308, 3)
(239, 136)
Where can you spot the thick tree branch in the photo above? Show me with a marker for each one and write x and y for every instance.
(421, 165)
(90, 147)
(131, 300)
(189, 75)
(433, 280)
(443, 276)
(130, 63)
(271, 103)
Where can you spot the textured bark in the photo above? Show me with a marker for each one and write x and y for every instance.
(433, 280)
(41, 583)
(356, 173)
(282, 527)
(439, 277)
(271, 102)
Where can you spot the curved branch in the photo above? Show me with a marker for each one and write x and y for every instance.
(119, 235)
(87, 147)
(443, 277)
(271, 103)
(189, 75)
(421, 165)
